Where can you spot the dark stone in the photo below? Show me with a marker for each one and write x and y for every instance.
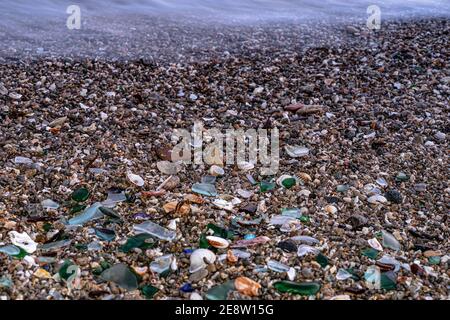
(394, 196)
(288, 246)
(357, 221)
(249, 208)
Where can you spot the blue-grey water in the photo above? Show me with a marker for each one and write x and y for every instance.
(38, 24)
(13, 10)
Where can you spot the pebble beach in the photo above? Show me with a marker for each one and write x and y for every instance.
(358, 208)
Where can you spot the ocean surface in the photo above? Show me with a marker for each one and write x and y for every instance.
(14, 10)
(41, 25)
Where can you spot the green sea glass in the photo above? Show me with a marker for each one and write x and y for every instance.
(322, 260)
(122, 276)
(302, 288)
(80, 195)
(149, 291)
(220, 292)
(370, 253)
(288, 183)
(265, 186)
(140, 241)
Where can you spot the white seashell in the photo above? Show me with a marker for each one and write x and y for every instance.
(217, 242)
(331, 209)
(173, 224)
(304, 192)
(371, 189)
(296, 151)
(374, 243)
(305, 249)
(174, 265)
(245, 166)
(195, 296)
(382, 182)
(223, 204)
(244, 193)
(376, 199)
(215, 170)
(23, 240)
(291, 274)
(200, 258)
(135, 179)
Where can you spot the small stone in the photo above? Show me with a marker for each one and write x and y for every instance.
(394, 196)
(247, 286)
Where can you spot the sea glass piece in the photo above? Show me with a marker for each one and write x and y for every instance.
(220, 292)
(205, 189)
(434, 260)
(265, 186)
(388, 281)
(168, 167)
(161, 264)
(373, 277)
(343, 274)
(55, 245)
(80, 195)
(291, 212)
(250, 179)
(296, 151)
(155, 230)
(305, 219)
(208, 179)
(342, 188)
(91, 213)
(49, 204)
(105, 234)
(302, 288)
(401, 177)
(370, 253)
(250, 243)
(241, 254)
(67, 269)
(322, 260)
(142, 241)
(121, 275)
(6, 282)
(114, 196)
(281, 219)
(277, 266)
(22, 160)
(389, 241)
(110, 213)
(220, 232)
(94, 246)
(288, 182)
(10, 250)
(305, 239)
(386, 259)
(304, 249)
(149, 291)
(187, 288)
